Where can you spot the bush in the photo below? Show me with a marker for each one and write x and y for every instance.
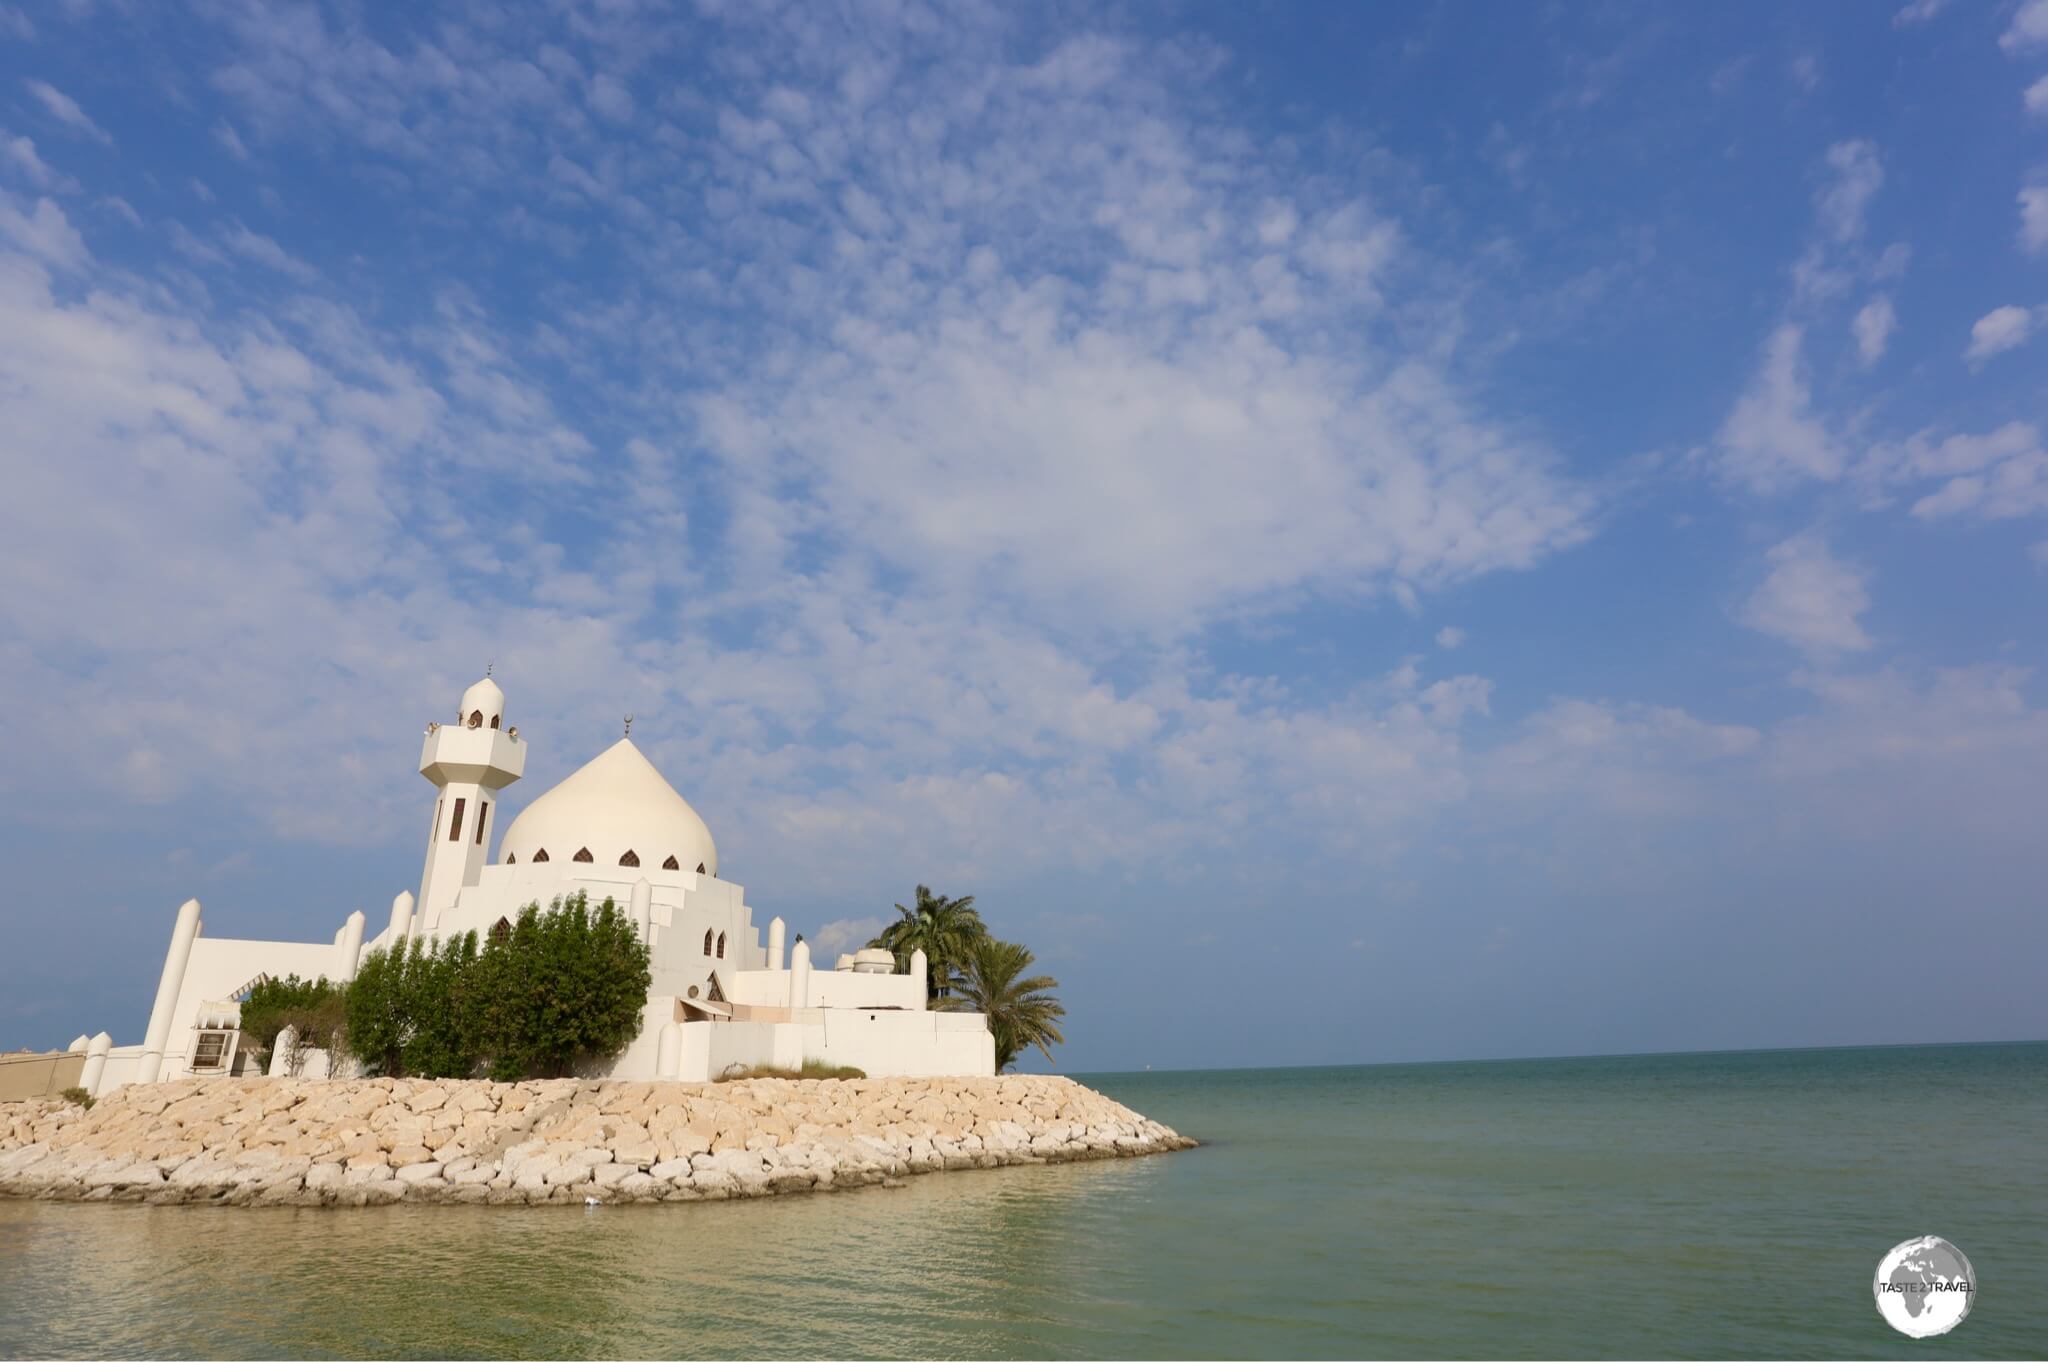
(562, 988)
(316, 1008)
(407, 1009)
(77, 1097)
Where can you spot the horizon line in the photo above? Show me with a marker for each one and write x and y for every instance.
(1533, 1059)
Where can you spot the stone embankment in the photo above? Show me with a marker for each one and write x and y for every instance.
(361, 1142)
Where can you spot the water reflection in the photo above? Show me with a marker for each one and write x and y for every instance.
(963, 1265)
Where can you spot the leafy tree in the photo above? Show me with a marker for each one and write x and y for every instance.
(1021, 1011)
(945, 929)
(316, 1008)
(561, 989)
(405, 1013)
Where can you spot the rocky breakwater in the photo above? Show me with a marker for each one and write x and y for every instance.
(369, 1141)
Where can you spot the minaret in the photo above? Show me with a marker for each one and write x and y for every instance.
(469, 761)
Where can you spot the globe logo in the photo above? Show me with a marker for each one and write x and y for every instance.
(1925, 1287)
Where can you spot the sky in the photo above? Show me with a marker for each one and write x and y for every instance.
(1358, 533)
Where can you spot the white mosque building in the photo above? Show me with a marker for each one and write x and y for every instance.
(615, 829)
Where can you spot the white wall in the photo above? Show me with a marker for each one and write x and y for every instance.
(219, 967)
(829, 988)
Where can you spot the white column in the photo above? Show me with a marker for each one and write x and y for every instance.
(643, 911)
(776, 932)
(167, 987)
(77, 1047)
(281, 1052)
(920, 969)
(349, 949)
(401, 919)
(800, 975)
(668, 1055)
(95, 1063)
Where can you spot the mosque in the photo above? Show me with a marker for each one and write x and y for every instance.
(615, 829)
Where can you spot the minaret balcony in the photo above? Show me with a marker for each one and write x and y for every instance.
(490, 757)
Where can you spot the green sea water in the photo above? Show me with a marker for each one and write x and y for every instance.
(1718, 1205)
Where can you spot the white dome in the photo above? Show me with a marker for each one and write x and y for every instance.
(614, 804)
(482, 699)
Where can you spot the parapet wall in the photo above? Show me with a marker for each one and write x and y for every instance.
(301, 1142)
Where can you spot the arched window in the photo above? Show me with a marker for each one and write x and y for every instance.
(671, 864)
(501, 929)
(540, 855)
(707, 941)
(721, 945)
(631, 858)
(510, 859)
(494, 720)
(476, 718)
(700, 868)
(583, 856)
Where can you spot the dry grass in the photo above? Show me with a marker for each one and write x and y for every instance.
(811, 1069)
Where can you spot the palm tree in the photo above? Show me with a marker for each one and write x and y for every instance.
(1020, 1011)
(944, 929)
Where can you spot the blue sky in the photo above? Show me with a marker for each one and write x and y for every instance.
(1359, 532)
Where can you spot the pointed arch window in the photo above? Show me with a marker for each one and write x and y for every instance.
(700, 868)
(671, 864)
(707, 941)
(721, 945)
(501, 929)
(583, 857)
(476, 718)
(540, 856)
(495, 718)
(511, 859)
(631, 858)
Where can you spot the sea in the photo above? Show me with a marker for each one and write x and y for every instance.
(1693, 1205)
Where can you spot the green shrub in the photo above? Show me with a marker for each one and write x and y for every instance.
(560, 989)
(317, 1008)
(407, 1009)
(77, 1097)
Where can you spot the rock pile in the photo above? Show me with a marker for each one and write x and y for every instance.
(295, 1142)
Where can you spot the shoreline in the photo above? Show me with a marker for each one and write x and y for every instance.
(378, 1141)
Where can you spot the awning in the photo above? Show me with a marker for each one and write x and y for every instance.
(707, 1007)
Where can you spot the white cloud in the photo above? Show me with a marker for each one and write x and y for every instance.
(2001, 329)
(2033, 201)
(65, 110)
(1772, 438)
(230, 140)
(1450, 636)
(2036, 98)
(1810, 599)
(2029, 27)
(42, 230)
(1855, 174)
(265, 251)
(1998, 475)
(1918, 12)
(1873, 328)
(20, 152)
(834, 939)
(610, 98)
